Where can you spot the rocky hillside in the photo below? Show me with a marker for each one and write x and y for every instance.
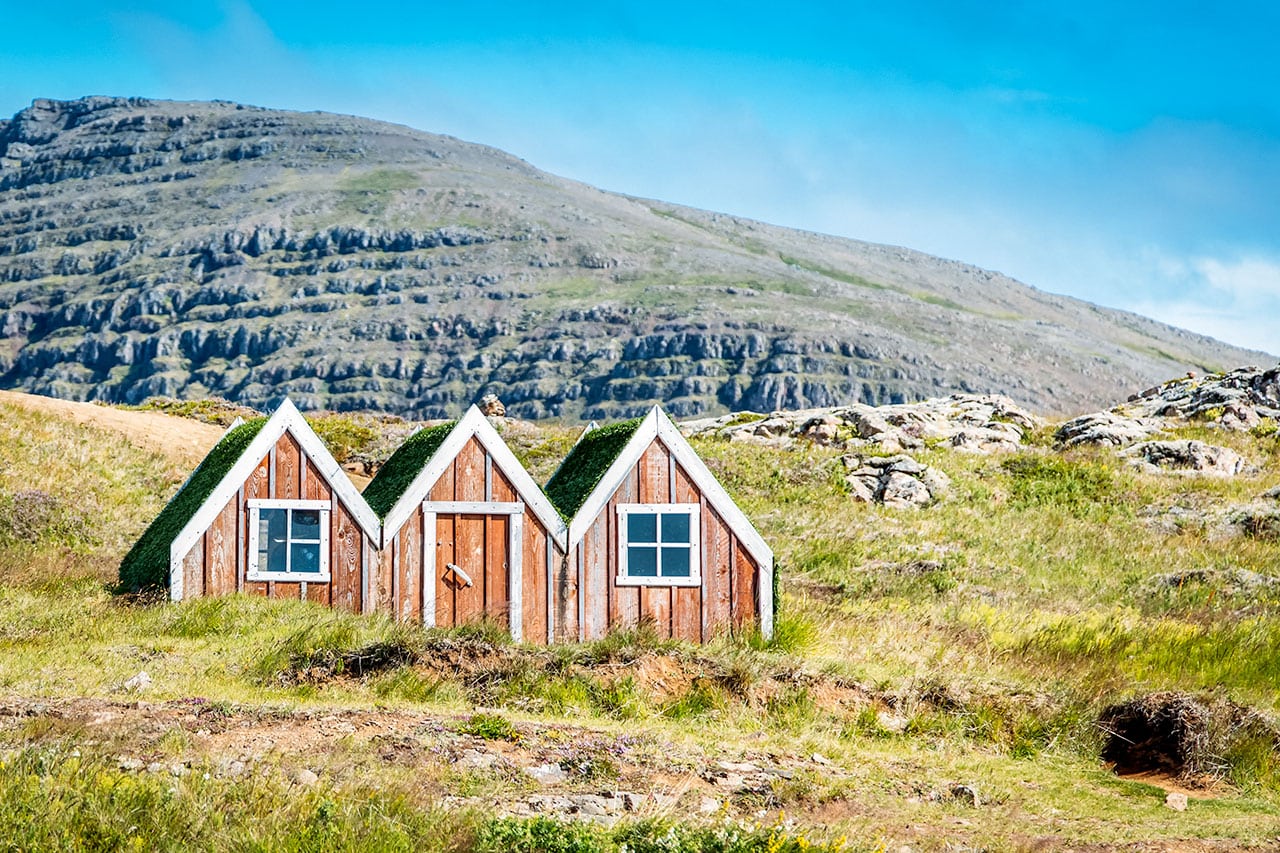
(193, 249)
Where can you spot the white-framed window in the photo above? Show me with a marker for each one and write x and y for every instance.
(659, 545)
(288, 541)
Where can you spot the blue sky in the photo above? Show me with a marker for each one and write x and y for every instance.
(1124, 153)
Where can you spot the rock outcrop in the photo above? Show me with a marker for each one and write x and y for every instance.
(1107, 429)
(1238, 399)
(966, 422)
(895, 481)
(1186, 457)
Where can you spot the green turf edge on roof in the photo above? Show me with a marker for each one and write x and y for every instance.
(146, 565)
(585, 465)
(397, 474)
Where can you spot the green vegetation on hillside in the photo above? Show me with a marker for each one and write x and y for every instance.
(932, 666)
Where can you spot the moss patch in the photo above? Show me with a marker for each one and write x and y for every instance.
(147, 563)
(397, 474)
(585, 465)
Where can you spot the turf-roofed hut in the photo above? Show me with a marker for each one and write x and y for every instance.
(467, 534)
(654, 537)
(268, 512)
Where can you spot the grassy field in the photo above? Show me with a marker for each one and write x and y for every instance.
(937, 679)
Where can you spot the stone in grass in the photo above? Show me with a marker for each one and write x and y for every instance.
(474, 759)
(1176, 801)
(306, 778)
(547, 774)
(138, 683)
(1186, 457)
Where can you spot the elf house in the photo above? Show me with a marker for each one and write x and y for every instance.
(453, 529)
(653, 536)
(268, 512)
(466, 532)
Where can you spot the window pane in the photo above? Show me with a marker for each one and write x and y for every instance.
(305, 557)
(271, 540)
(675, 562)
(306, 524)
(675, 527)
(642, 562)
(642, 527)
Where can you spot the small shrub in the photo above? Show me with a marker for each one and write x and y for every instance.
(741, 418)
(866, 723)
(409, 685)
(793, 708)
(699, 700)
(344, 435)
(539, 835)
(619, 698)
(624, 645)
(793, 634)
(33, 515)
(589, 765)
(1266, 429)
(489, 727)
(1051, 481)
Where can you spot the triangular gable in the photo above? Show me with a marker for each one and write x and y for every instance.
(285, 419)
(656, 425)
(473, 424)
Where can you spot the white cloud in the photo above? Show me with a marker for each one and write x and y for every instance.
(1236, 299)
(1244, 279)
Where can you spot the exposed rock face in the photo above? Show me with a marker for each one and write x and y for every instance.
(974, 423)
(1107, 428)
(1238, 399)
(1186, 457)
(1247, 398)
(195, 249)
(895, 481)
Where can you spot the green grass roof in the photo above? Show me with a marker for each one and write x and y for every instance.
(585, 465)
(396, 475)
(147, 563)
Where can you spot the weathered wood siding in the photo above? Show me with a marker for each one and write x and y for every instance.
(218, 563)
(479, 543)
(589, 601)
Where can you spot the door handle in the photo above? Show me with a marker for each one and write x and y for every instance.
(457, 570)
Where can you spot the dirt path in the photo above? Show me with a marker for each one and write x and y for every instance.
(181, 439)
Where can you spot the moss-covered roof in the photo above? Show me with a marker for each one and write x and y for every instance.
(585, 465)
(147, 563)
(398, 472)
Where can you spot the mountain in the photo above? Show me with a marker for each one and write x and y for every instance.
(188, 249)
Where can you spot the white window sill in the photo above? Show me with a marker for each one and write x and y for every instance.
(286, 577)
(682, 582)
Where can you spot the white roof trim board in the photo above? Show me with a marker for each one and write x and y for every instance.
(656, 424)
(473, 423)
(285, 419)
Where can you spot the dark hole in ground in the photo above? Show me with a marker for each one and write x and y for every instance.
(1153, 734)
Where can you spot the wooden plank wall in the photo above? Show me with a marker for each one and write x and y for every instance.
(725, 601)
(217, 563)
(474, 475)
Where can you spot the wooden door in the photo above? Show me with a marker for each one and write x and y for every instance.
(476, 567)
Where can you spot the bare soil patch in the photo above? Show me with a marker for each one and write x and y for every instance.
(180, 439)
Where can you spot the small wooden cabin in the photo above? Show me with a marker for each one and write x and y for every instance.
(453, 529)
(653, 536)
(268, 512)
(466, 532)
